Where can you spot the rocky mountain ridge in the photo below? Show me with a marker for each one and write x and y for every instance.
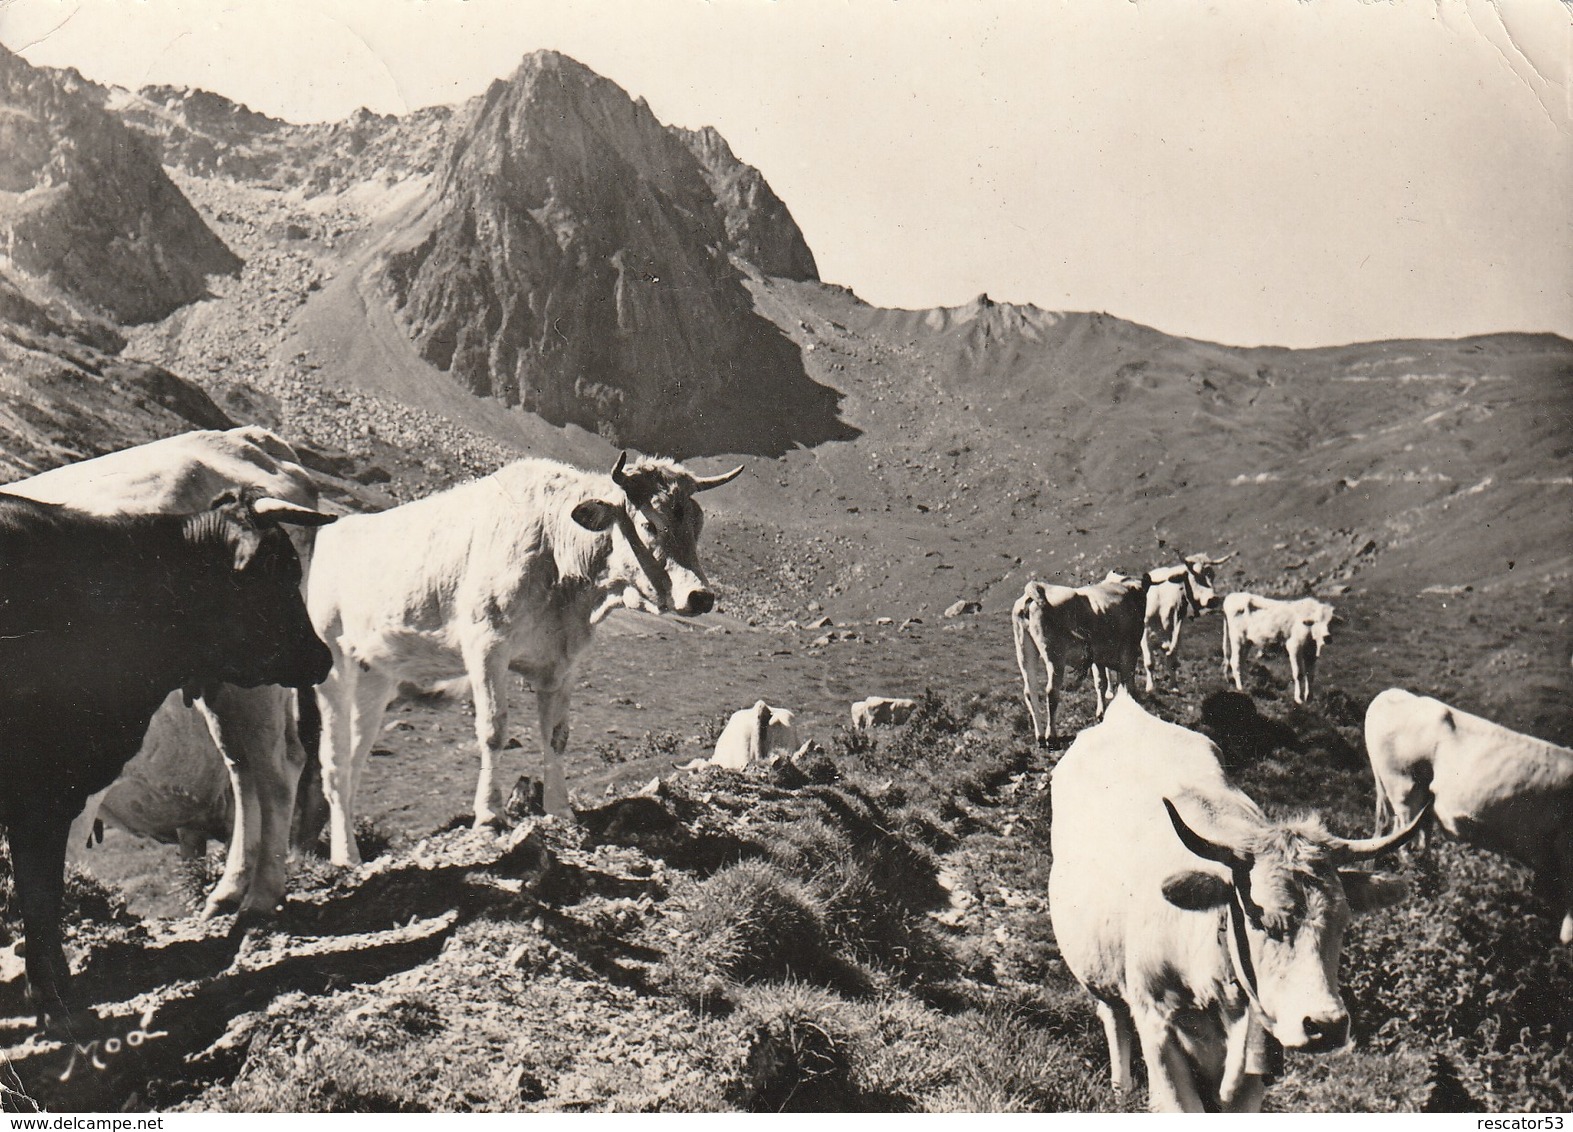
(86, 208)
(1004, 440)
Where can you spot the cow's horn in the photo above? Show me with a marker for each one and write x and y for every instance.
(283, 511)
(618, 476)
(705, 483)
(1196, 843)
(1220, 561)
(1345, 852)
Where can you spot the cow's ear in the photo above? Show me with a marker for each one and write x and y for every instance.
(595, 515)
(1368, 892)
(1196, 891)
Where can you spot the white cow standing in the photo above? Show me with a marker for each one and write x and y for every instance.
(750, 735)
(1099, 626)
(508, 572)
(1491, 787)
(1302, 626)
(1194, 921)
(1187, 585)
(176, 785)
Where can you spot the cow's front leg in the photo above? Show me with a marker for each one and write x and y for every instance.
(352, 702)
(1170, 1085)
(1147, 659)
(552, 704)
(38, 863)
(1236, 660)
(1296, 676)
(1118, 1031)
(488, 669)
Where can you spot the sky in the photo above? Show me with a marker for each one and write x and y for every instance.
(1242, 171)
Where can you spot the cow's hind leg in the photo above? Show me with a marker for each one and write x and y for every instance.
(1053, 675)
(38, 864)
(1019, 634)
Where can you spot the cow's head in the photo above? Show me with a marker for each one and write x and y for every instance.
(1312, 625)
(655, 530)
(253, 620)
(1199, 584)
(1286, 901)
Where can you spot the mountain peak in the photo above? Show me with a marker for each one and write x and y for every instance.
(575, 263)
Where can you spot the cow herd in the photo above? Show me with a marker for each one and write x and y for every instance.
(1199, 926)
(152, 601)
(189, 585)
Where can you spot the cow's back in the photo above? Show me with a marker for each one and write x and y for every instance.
(1113, 846)
(177, 475)
(1493, 786)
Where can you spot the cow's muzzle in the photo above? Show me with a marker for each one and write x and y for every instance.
(697, 602)
(313, 668)
(1322, 1035)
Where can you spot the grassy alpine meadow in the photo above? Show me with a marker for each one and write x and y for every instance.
(863, 928)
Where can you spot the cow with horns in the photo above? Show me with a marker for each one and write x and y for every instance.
(1198, 925)
(100, 619)
(1186, 586)
(228, 765)
(508, 572)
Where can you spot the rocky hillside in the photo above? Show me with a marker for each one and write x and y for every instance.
(66, 396)
(571, 260)
(86, 207)
(94, 235)
(206, 135)
(1003, 442)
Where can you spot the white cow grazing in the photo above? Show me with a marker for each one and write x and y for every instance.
(511, 571)
(178, 780)
(1301, 626)
(1187, 585)
(1099, 626)
(750, 735)
(1489, 786)
(1191, 918)
(881, 711)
